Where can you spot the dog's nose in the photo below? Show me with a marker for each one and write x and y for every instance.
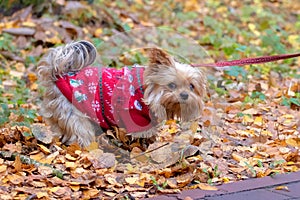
(184, 95)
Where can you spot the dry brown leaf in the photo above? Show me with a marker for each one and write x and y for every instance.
(294, 142)
(204, 186)
(184, 179)
(71, 158)
(251, 111)
(20, 31)
(42, 133)
(90, 193)
(44, 170)
(165, 155)
(101, 160)
(138, 154)
(132, 180)
(172, 183)
(15, 179)
(112, 179)
(18, 163)
(3, 168)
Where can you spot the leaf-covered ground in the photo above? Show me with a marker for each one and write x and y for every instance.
(250, 125)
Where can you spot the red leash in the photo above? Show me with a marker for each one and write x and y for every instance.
(248, 61)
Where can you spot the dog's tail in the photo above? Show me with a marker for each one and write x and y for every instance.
(69, 58)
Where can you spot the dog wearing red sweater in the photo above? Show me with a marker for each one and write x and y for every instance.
(79, 99)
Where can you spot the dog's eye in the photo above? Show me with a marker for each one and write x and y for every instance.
(192, 87)
(172, 86)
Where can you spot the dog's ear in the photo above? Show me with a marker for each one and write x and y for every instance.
(159, 57)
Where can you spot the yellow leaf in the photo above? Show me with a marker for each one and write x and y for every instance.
(70, 165)
(171, 122)
(293, 142)
(258, 121)
(251, 26)
(290, 163)
(247, 120)
(282, 187)
(225, 179)
(287, 122)
(75, 187)
(98, 32)
(173, 130)
(292, 168)
(245, 133)
(293, 40)
(29, 24)
(192, 5)
(288, 116)
(267, 133)
(92, 146)
(253, 29)
(54, 40)
(69, 157)
(44, 149)
(3, 168)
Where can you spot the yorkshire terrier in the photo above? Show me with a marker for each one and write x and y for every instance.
(79, 99)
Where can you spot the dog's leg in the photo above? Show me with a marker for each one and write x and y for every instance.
(71, 124)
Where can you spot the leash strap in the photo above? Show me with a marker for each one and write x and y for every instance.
(248, 61)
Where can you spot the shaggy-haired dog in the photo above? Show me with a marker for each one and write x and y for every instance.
(79, 99)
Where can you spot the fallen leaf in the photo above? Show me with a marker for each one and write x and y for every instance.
(282, 187)
(44, 170)
(3, 168)
(204, 186)
(20, 31)
(258, 121)
(42, 133)
(18, 163)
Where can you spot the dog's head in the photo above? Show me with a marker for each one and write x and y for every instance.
(173, 89)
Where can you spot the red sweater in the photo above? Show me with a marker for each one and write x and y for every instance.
(109, 96)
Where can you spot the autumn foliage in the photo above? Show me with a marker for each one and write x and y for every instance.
(249, 128)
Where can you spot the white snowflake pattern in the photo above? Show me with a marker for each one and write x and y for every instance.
(110, 90)
(88, 72)
(96, 106)
(138, 105)
(130, 78)
(80, 97)
(92, 87)
(132, 90)
(76, 82)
